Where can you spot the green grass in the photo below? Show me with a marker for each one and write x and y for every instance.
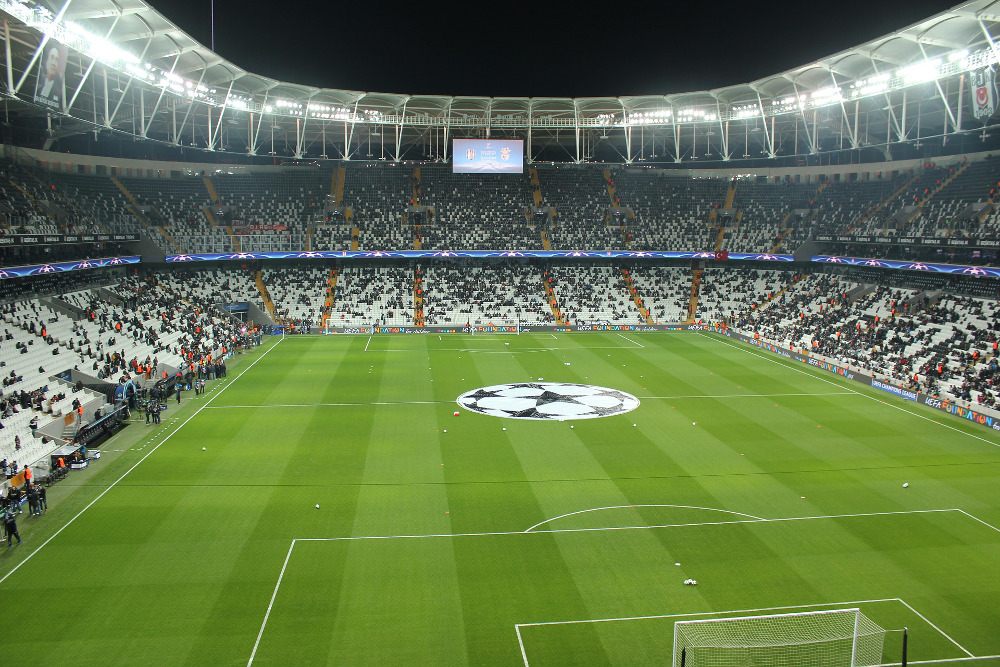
(418, 554)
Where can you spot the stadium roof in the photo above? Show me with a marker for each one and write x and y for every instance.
(926, 62)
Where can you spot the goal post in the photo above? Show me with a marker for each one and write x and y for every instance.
(830, 638)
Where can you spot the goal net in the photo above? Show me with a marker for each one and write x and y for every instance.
(833, 638)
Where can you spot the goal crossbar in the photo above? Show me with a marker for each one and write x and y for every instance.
(833, 637)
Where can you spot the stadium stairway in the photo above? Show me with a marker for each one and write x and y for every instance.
(537, 193)
(958, 172)
(783, 231)
(891, 198)
(636, 297)
(258, 279)
(331, 291)
(211, 191)
(355, 233)
(65, 201)
(546, 242)
(695, 289)
(232, 237)
(31, 198)
(551, 294)
(170, 239)
(418, 299)
(337, 185)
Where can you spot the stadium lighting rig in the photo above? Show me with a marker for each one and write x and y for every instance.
(929, 69)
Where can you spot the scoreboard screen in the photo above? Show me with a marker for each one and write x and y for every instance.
(487, 156)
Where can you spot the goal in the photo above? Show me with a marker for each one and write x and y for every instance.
(832, 638)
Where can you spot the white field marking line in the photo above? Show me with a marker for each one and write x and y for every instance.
(517, 349)
(945, 661)
(270, 604)
(618, 507)
(589, 530)
(806, 393)
(707, 613)
(854, 391)
(368, 343)
(553, 335)
(556, 531)
(320, 405)
(945, 634)
(633, 342)
(971, 657)
(125, 474)
(989, 525)
(524, 655)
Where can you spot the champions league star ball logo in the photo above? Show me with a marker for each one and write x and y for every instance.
(48, 268)
(556, 401)
(974, 271)
(308, 255)
(183, 258)
(919, 267)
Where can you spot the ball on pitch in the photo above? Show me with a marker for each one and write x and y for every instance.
(906, 485)
(203, 449)
(317, 505)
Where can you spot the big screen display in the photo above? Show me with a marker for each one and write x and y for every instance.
(487, 156)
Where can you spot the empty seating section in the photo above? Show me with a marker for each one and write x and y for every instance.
(485, 211)
(378, 195)
(502, 295)
(593, 295)
(671, 211)
(298, 293)
(380, 206)
(369, 296)
(292, 199)
(100, 200)
(665, 291)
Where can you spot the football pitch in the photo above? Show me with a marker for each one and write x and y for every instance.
(487, 538)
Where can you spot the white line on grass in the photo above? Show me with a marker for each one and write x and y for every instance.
(723, 613)
(989, 525)
(618, 507)
(633, 342)
(556, 531)
(125, 474)
(854, 391)
(706, 613)
(947, 661)
(284, 566)
(946, 635)
(806, 393)
(368, 343)
(363, 403)
(270, 604)
(320, 405)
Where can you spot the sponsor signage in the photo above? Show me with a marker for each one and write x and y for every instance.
(931, 241)
(49, 239)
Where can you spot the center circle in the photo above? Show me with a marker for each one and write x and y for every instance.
(558, 401)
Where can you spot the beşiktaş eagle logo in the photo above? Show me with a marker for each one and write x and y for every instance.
(548, 400)
(983, 90)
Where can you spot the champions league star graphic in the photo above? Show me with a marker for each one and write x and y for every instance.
(557, 401)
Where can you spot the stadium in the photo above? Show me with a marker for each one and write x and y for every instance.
(322, 376)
